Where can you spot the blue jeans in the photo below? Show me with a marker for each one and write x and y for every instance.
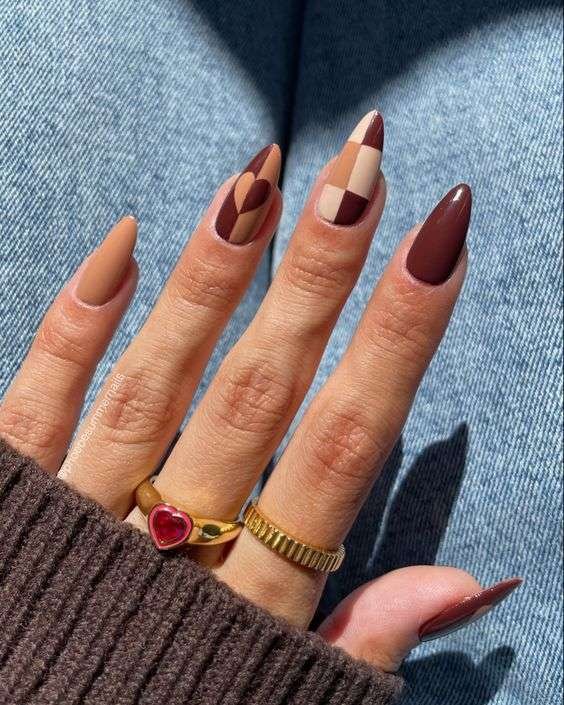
(111, 107)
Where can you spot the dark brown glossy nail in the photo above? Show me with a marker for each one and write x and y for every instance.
(436, 249)
(247, 203)
(467, 611)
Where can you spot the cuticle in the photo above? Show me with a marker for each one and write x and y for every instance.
(73, 285)
(234, 245)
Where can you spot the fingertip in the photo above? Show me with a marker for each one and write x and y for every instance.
(467, 609)
(381, 620)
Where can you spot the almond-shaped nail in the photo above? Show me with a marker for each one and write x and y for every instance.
(435, 251)
(468, 610)
(246, 205)
(107, 266)
(352, 180)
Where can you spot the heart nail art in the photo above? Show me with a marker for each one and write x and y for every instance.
(169, 527)
(247, 203)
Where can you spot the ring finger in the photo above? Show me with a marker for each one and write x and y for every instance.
(323, 477)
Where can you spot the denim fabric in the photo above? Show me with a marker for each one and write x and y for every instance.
(123, 107)
(110, 107)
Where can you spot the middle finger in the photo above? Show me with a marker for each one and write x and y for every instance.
(263, 380)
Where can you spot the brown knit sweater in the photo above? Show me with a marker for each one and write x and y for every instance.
(91, 613)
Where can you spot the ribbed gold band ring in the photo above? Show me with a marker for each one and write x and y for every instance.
(291, 548)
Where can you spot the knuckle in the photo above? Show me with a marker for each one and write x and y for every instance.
(317, 272)
(400, 327)
(343, 452)
(255, 397)
(137, 407)
(201, 284)
(22, 423)
(64, 340)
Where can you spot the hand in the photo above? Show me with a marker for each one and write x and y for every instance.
(341, 444)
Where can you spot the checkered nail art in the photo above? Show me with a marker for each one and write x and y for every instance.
(247, 203)
(353, 178)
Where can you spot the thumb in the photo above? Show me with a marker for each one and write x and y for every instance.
(383, 620)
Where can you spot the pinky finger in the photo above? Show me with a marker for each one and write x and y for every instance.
(40, 409)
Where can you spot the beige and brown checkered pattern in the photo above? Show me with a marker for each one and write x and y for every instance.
(351, 182)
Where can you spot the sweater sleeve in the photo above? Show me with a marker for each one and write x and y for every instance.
(91, 613)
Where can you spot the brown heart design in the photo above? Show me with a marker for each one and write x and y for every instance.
(256, 195)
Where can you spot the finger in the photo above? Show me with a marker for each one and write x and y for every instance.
(145, 398)
(261, 383)
(384, 620)
(346, 434)
(40, 409)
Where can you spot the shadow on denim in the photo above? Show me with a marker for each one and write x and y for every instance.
(412, 529)
(453, 678)
(422, 505)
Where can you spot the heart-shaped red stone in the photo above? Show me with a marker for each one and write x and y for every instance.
(168, 526)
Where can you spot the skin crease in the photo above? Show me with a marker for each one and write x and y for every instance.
(387, 358)
(386, 384)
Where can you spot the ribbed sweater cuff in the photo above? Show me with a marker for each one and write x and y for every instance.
(91, 613)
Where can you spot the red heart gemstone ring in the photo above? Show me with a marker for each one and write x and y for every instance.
(171, 527)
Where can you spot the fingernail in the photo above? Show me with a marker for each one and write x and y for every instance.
(435, 252)
(247, 203)
(107, 266)
(468, 610)
(352, 180)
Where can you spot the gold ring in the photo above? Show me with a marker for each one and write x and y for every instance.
(320, 559)
(171, 526)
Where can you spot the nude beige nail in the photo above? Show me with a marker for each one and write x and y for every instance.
(107, 266)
